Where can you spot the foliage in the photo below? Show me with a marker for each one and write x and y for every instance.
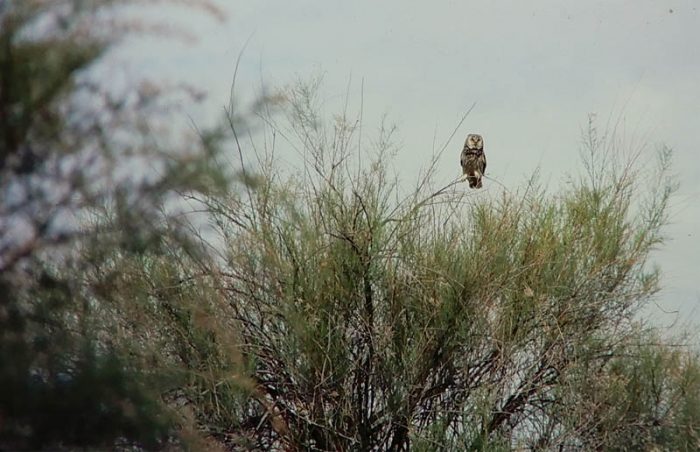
(332, 310)
(362, 318)
(645, 398)
(71, 147)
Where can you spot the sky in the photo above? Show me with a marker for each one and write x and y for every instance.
(534, 72)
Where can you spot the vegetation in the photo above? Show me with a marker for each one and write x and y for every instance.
(72, 154)
(328, 309)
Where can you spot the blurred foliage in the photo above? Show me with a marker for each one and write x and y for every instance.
(80, 165)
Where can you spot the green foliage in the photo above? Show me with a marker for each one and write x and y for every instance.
(367, 319)
(66, 142)
(83, 398)
(644, 398)
(58, 386)
(34, 76)
(336, 311)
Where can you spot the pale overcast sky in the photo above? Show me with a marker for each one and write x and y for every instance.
(535, 70)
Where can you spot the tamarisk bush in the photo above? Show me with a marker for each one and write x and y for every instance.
(367, 318)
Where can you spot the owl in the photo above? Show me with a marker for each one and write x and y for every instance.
(473, 160)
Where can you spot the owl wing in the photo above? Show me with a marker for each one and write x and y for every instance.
(482, 163)
(464, 161)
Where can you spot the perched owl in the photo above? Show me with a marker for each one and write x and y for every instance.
(473, 160)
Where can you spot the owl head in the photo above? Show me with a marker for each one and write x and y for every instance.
(474, 141)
